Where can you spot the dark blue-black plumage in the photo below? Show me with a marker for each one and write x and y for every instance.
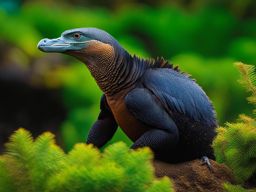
(179, 113)
(178, 93)
(179, 116)
(154, 103)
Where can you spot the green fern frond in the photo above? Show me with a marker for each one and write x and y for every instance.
(47, 160)
(248, 79)
(5, 179)
(117, 152)
(111, 177)
(46, 167)
(101, 178)
(162, 185)
(18, 158)
(141, 174)
(246, 119)
(88, 171)
(21, 145)
(84, 153)
(220, 144)
(236, 188)
(46, 151)
(235, 145)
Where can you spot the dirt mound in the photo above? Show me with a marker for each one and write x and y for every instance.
(192, 176)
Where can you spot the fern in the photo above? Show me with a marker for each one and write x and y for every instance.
(235, 188)
(86, 171)
(41, 165)
(160, 186)
(248, 80)
(92, 157)
(235, 144)
(5, 178)
(18, 159)
(21, 146)
(139, 174)
(47, 159)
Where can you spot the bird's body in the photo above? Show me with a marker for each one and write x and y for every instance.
(160, 80)
(153, 102)
(132, 127)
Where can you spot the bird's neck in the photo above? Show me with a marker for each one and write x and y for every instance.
(122, 76)
(116, 73)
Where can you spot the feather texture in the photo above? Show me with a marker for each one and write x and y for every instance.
(178, 93)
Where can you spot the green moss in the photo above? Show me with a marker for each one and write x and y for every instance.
(40, 165)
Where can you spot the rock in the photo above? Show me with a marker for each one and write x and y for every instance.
(192, 176)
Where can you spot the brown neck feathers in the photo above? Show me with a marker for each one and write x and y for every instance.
(112, 71)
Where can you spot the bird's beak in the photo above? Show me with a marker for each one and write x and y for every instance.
(54, 45)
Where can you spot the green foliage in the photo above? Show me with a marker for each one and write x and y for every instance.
(235, 188)
(243, 47)
(196, 46)
(5, 178)
(26, 40)
(40, 165)
(235, 144)
(248, 80)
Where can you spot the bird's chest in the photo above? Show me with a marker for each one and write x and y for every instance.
(132, 127)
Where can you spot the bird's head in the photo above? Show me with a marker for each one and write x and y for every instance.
(90, 45)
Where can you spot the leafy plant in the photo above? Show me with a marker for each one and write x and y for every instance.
(236, 188)
(235, 144)
(145, 31)
(40, 165)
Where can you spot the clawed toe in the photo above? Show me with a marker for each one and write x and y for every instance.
(206, 161)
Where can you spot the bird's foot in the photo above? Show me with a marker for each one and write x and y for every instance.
(205, 161)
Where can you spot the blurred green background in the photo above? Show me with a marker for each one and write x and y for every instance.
(55, 92)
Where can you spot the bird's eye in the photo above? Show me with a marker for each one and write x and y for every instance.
(77, 35)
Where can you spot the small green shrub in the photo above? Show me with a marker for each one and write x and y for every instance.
(142, 30)
(235, 144)
(40, 165)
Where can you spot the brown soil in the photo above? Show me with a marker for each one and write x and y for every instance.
(192, 176)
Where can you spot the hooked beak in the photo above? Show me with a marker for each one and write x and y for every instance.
(53, 45)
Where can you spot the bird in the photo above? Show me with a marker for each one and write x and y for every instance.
(152, 101)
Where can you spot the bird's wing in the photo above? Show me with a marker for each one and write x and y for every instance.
(145, 108)
(178, 93)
